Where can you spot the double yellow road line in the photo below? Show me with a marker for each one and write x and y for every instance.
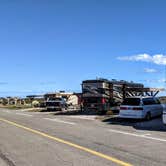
(101, 155)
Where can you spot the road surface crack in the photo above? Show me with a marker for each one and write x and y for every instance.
(6, 159)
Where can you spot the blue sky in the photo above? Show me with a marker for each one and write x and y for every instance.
(54, 45)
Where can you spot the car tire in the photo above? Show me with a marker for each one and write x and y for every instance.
(148, 116)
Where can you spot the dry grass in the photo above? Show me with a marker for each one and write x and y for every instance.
(15, 107)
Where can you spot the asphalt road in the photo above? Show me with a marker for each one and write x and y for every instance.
(33, 139)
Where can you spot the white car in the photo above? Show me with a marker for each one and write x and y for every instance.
(141, 108)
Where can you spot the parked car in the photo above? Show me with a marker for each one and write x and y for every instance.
(141, 108)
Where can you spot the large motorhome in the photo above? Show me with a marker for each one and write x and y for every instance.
(100, 94)
(95, 95)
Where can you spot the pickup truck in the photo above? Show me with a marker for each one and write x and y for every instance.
(56, 104)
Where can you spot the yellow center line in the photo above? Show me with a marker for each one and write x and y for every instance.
(119, 162)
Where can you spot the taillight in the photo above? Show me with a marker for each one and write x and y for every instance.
(137, 108)
(103, 101)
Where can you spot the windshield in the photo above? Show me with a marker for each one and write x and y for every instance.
(55, 99)
(131, 101)
(53, 103)
(92, 100)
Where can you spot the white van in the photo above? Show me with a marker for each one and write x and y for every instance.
(140, 108)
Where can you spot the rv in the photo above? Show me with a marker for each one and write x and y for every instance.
(96, 94)
(100, 94)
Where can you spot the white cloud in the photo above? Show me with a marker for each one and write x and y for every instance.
(148, 70)
(158, 59)
(155, 81)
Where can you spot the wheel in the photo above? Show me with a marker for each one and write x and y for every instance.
(148, 116)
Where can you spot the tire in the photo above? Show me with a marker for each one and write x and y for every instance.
(148, 116)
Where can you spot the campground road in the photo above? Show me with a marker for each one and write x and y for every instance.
(33, 139)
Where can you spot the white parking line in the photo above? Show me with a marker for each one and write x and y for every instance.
(147, 134)
(60, 121)
(83, 117)
(24, 114)
(138, 135)
(7, 111)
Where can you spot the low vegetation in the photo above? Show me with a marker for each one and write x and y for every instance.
(16, 107)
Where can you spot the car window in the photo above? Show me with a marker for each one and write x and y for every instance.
(157, 101)
(149, 101)
(131, 101)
